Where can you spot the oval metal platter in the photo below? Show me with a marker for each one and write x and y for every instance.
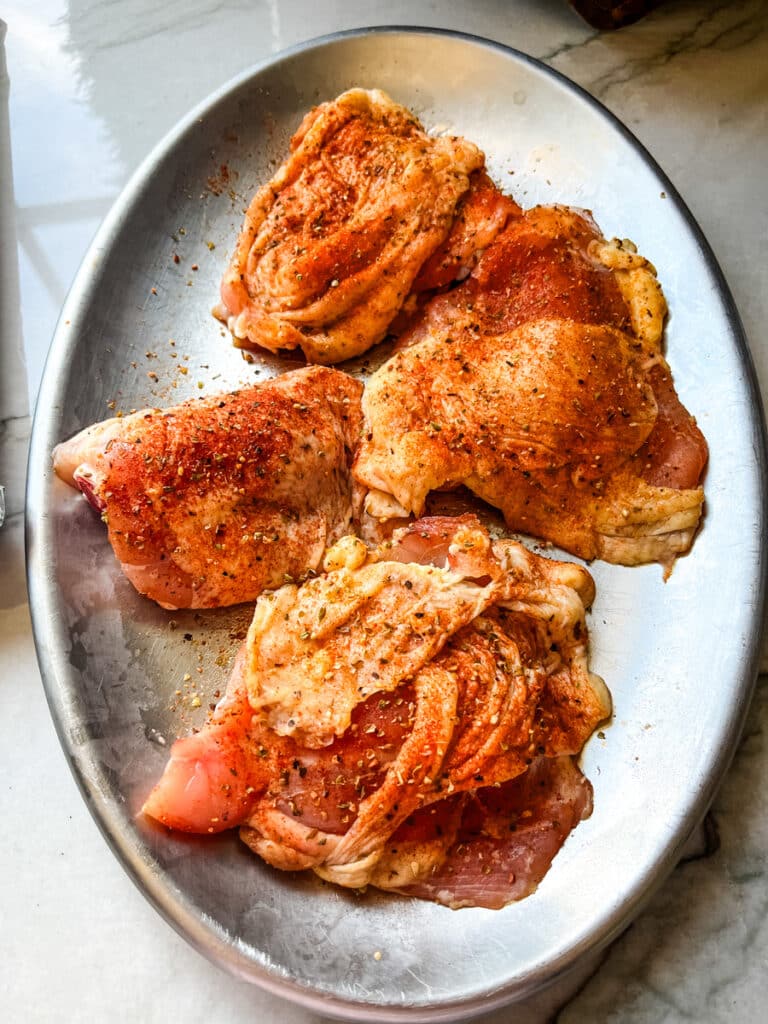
(679, 657)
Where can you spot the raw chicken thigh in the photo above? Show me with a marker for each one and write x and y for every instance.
(539, 384)
(210, 502)
(332, 244)
(378, 715)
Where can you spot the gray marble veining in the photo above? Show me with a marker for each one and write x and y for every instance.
(92, 86)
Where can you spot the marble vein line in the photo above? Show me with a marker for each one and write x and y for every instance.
(686, 42)
(552, 55)
(156, 20)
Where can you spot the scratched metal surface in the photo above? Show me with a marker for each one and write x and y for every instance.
(679, 657)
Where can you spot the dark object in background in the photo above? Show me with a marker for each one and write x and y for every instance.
(610, 14)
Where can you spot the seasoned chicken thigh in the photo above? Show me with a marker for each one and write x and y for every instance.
(480, 215)
(491, 846)
(540, 385)
(331, 245)
(210, 502)
(551, 263)
(474, 673)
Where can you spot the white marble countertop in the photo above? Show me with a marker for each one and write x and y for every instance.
(93, 85)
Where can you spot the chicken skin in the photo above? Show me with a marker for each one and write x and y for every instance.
(212, 501)
(472, 667)
(480, 215)
(332, 244)
(539, 384)
(550, 262)
(491, 846)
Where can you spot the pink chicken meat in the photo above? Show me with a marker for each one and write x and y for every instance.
(330, 247)
(539, 383)
(208, 503)
(473, 697)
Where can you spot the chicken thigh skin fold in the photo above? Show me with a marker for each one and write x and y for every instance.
(210, 502)
(563, 426)
(540, 384)
(332, 244)
(378, 712)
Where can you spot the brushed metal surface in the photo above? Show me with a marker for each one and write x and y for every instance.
(679, 657)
